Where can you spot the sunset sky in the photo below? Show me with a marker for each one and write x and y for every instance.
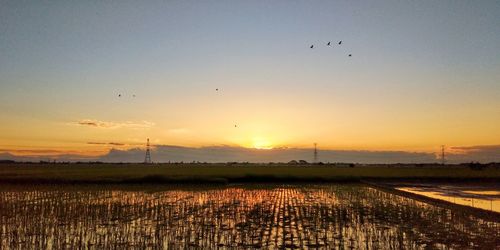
(422, 74)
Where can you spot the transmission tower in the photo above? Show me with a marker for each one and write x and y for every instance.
(443, 159)
(147, 160)
(315, 153)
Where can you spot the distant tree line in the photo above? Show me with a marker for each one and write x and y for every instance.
(472, 165)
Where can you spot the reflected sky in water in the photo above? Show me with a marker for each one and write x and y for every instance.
(320, 216)
(487, 198)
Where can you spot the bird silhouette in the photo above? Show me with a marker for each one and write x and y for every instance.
(133, 95)
(340, 42)
(350, 55)
(312, 46)
(216, 89)
(328, 44)
(235, 126)
(119, 95)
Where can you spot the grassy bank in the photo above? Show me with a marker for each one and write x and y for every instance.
(224, 173)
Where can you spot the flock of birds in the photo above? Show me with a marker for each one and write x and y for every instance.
(311, 47)
(330, 44)
(120, 95)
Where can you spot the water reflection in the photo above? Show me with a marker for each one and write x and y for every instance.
(483, 198)
(327, 216)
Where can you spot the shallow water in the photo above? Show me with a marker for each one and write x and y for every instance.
(286, 216)
(477, 196)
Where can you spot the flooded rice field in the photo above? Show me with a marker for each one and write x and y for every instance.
(247, 216)
(486, 197)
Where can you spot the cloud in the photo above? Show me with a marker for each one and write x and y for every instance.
(114, 125)
(477, 148)
(107, 143)
(165, 153)
(481, 153)
(94, 123)
(44, 155)
(33, 151)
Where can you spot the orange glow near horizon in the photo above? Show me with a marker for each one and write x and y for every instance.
(94, 149)
(285, 131)
(261, 143)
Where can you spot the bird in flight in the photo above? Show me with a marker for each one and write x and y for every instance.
(133, 95)
(235, 126)
(328, 44)
(350, 55)
(340, 42)
(119, 95)
(216, 89)
(312, 46)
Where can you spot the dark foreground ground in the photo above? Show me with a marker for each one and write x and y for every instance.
(24, 173)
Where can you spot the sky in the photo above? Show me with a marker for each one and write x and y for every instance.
(422, 74)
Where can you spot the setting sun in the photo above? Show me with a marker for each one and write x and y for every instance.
(261, 143)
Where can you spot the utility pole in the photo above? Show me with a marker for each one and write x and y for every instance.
(315, 153)
(147, 159)
(443, 159)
